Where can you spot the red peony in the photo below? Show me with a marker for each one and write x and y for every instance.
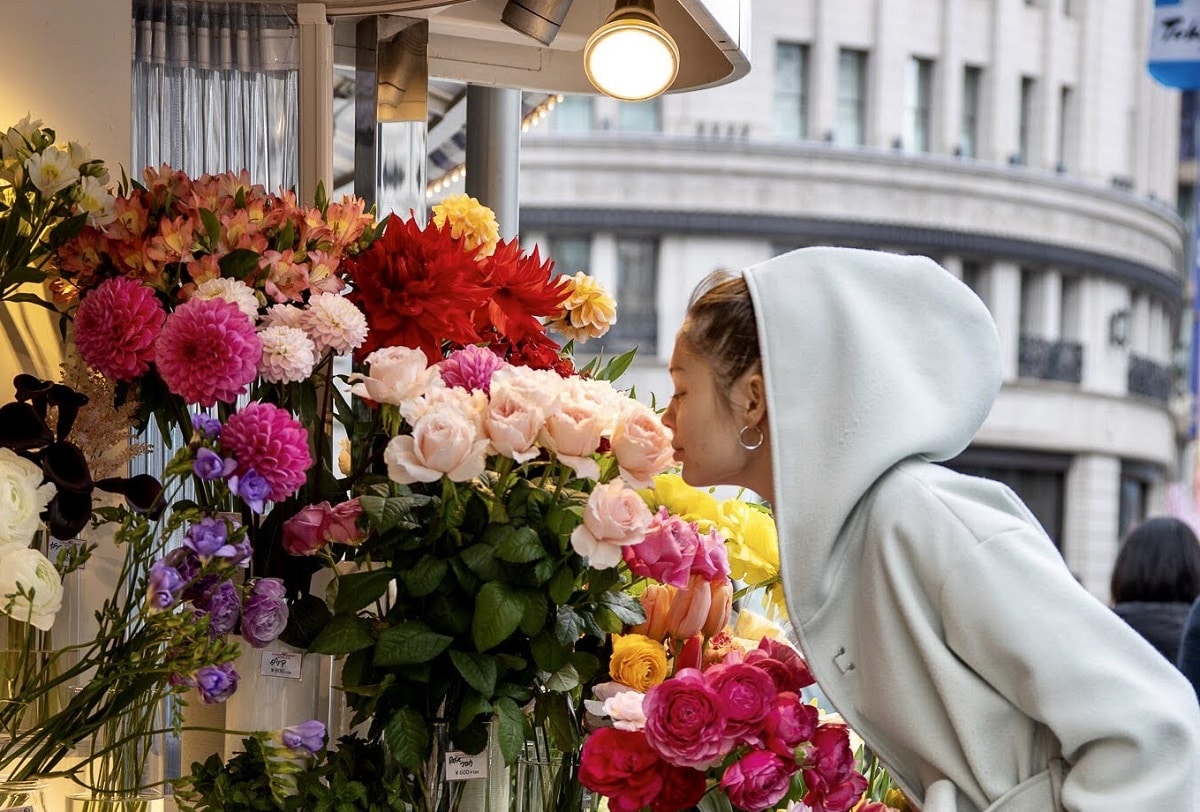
(208, 352)
(520, 290)
(417, 288)
(621, 765)
(269, 440)
(116, 327)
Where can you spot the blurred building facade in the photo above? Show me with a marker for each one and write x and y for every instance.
(1020, 143)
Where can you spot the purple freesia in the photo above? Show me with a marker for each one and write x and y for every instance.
(240, 555)
(164, 586)
(207, 538)
(265, 613)
(253, 489)
(308, 736)
(222, 603)
(470, 368)
(209, 465)
(207, 427)
(216, 683)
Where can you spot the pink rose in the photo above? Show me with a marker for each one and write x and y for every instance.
(684, 722)
(641, 444)
(615, 517)
(833, 785)
(306, 532)
(343, 523)
(512, 423)
(781, 661)
(747, 696)
(397, 374)
(573, 428)
(757, 781)
(667, 551)
(789, 724)
(444, 442)
(711, 560)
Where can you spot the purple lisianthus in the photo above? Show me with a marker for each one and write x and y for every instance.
(164, 586)
(222, 603)
(253, 489)
(207, 427)
(471, 368)
(216, 683)
(265, 613)
(209, 465)
(308, 736)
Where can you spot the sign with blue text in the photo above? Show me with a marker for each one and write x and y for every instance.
(1175, 43)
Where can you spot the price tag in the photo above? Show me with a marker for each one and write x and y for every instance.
(17, 808)
(463, 767)
(52, 550)
(281, 664)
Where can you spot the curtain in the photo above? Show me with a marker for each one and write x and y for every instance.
(215, 88)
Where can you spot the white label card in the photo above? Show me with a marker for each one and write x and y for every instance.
(52, 550)
(281, 664)
(17, 809)
(463, 767)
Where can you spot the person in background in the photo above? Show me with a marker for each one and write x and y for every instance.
(1155, 580)
(933, 610)
(1189, 648)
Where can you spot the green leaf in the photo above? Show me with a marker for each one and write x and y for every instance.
(607, 620)
(212, 227)
(536, 609)
(616, 366)
(585, 664)
(568, 626)
(626, 607)
(426, 576)
(448, 616)
(407, 738)
(562, 584)
(68, 229)
(409, 644)
(358, 589)
(479, 670)
(384, 514)
(481, 560)
(342, 635)
(498, 613)
(520, 546)
(556, 711)
(715, 801)
(548, 654)
(238, 263)
(562, 519)
(512, 729)
(563, 680)
(472, 705)
(307, 617)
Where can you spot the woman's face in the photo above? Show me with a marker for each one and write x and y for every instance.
(705, 427)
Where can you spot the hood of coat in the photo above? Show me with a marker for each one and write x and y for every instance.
(869, 358)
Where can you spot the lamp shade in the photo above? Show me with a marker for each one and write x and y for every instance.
(631, 56)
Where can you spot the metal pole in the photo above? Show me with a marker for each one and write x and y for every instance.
(494, 152)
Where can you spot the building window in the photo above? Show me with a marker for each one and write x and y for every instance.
(1136, 480)
(637, 297)
(918, 97)
(791, 91)
(968, 133)
(850, 128)
(1025, 122)
(571, 253)
(572, 115)
(640, 117)
(1066, 126)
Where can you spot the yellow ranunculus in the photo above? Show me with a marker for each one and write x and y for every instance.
(688, 503)
(751, 542)
(753, 626)
(637, 661)
(471, 221)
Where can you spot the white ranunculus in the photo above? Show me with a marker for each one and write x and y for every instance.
(51, 171)
(23, 497)
(28, 571)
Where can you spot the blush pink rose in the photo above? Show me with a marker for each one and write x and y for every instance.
(512, 424)
(667, 552)
(574, 426)
(615, 517)
(758, 780)
(790, 723)
(747, 696)
(396, 374)
(684, 721)
(641, 444)
(444, 442)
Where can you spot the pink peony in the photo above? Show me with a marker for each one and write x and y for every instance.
(116, 327)
(208, 352)
(684, 721)
(747, 695)
(470, 368)
(758, 780)
(270, 441)
(667, 552)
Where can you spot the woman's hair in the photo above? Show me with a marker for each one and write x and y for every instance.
(720, 326)
(1159, 562)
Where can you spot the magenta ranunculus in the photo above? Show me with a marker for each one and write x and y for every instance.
(208, 351)
(758, 780)
(116, 327)
(265, 613)
(747, 695)
(684, 722)
(267, 439)
(832, 782)
(470, 368)
(790, 723)
(667, 552)
(781, 661)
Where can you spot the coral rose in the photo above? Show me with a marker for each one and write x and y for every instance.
(637, 661)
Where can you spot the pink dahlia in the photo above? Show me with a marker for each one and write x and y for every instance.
(208, 351)
(266, 439)
(470, 368)
(116, 327)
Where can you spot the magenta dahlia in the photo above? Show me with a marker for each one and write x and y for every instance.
(116, 326)
(208, 351)
(470, 368)
(267, 439)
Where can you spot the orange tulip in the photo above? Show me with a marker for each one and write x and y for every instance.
(656, 603)
(689, 609)
(719, 610)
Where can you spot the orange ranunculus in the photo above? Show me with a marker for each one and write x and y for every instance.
(637, 661)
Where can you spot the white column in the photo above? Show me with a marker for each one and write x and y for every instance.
(824, 66)
(316, 99)
(1092, 507)
(1000, 289)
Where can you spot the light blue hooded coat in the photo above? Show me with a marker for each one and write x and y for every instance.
(935, 613)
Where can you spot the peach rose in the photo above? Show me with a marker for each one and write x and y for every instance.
(574, 426)
(615, 517)
(641, 444)
(513, 422)
(396, 374)
(445, 441)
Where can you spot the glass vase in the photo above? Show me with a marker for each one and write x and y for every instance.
(548, 781)
(116, 802)
(22, 796)
(278, 686)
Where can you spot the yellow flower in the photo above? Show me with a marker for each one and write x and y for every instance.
(754, 627)
(751, 542)
(470, 221)
(637, 661)
(686, 502)
(587, 309)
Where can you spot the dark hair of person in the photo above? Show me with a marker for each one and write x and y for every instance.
(720, 326)
(1159, 562)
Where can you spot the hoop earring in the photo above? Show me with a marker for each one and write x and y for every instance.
(750, 445)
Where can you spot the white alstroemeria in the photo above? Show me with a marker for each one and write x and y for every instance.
(51, 171)
(97, 201)
(30, 588)
(18, 137)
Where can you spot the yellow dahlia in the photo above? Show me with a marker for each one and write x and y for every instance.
(587, 310)
(471, 221)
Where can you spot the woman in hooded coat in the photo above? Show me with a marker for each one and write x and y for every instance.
(933, 610)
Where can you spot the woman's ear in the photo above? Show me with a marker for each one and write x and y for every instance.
(753, 396)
